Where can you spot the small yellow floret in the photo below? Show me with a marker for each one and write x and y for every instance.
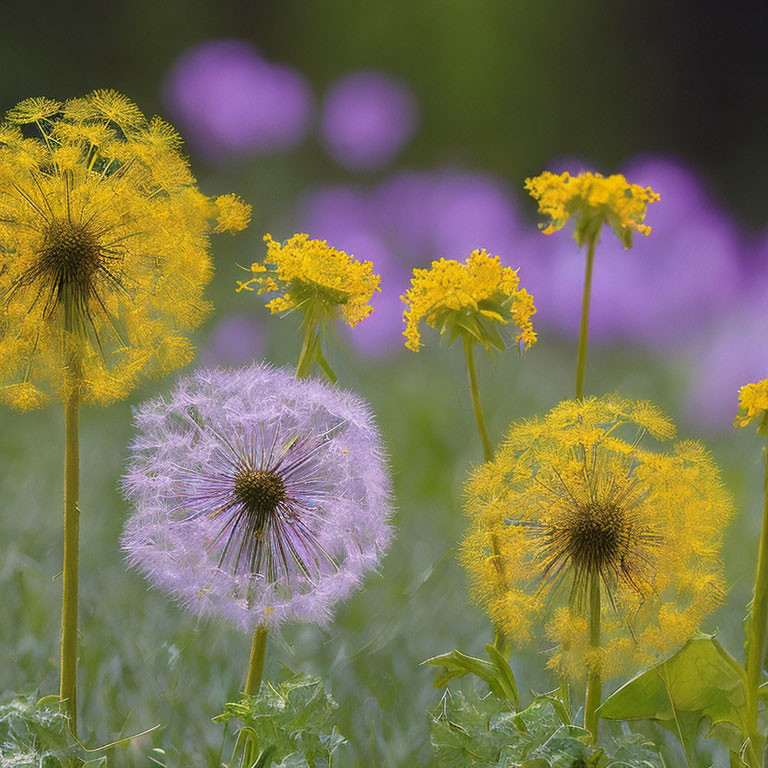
(232, 214)
(471, 298)
(312, 276)
(753, 404)
(592, 199)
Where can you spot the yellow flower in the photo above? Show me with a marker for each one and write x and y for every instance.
(104, 248)
(310, 275)
(574, 497)
(753, 404)
(474, 298)
(592, 199)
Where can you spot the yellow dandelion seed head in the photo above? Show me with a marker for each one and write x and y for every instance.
(592, 200)
(104, 237)
(472, 299)
(310, 275)
(577, 496)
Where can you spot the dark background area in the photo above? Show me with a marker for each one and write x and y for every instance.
(503, 84)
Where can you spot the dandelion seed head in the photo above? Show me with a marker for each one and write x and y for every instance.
(576, 497)
(258, 497)
(104, 242)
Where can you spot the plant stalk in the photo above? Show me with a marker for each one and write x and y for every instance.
(499, 636)
(581, 356)
(307, 358)
(594, 680)
(256, 662)
(469, 353)
(70, 568)
(757, 627)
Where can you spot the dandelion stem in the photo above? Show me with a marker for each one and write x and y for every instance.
(594, 681)
(69, 601)
(499, 637)
(476, 404)
(581, 357)
(757, 630)
(307, 356)
(256, 662)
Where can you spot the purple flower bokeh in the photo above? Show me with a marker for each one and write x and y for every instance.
(258, 497)
(228, 100)
(730, 352)
(367, 118)
(237, 340)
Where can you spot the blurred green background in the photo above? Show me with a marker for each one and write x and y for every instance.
(502, 86)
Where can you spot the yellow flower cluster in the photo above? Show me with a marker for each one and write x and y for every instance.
(573, 498)
(592, 199)
(103, 248)
(473, 298)
(753, 404)
(321, 281)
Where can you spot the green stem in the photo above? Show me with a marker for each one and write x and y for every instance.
(581, 357)
(251, 688)
(499, 637)
(757, 625)
(476, 404)
(69, 601)
(307, 355)
(594, 681)
(256, 662)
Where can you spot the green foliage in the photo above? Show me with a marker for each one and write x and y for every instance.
(289, 725)
(33, 734)
(701, 681)
(472, 732)
(496, 672)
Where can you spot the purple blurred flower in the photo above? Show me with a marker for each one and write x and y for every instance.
(258, 496)
(448, 214)
(382, 332)
(236, 340)
(334, 212)
(660, 292)
(227, 99)
(367, 118)
(732, 351)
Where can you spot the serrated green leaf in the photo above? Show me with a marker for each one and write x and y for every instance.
(286, 725)
(469, 731)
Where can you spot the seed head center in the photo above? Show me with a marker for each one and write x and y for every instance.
(597, 535)
(260, 492)
(71, 254)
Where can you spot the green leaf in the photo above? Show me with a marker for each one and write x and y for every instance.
(505, 677)
(468, 731)
(289, 725)
(457, 664)
(700, 681)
